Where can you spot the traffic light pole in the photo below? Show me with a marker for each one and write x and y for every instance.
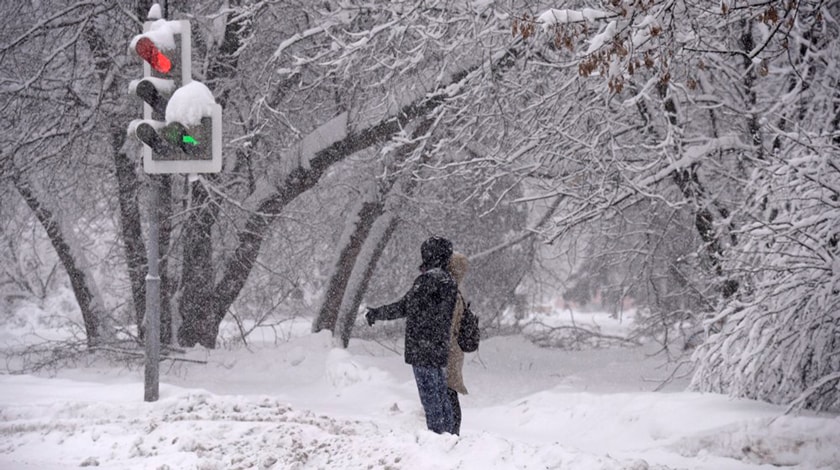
(152, 318)
(151, 380)
(182, 146)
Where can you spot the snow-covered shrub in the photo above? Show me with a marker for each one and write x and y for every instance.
(779, 340)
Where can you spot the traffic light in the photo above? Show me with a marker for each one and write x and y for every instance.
(182, 123)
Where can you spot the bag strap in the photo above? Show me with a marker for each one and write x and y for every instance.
(463, 301)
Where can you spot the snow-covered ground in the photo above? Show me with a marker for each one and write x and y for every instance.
(303, 404)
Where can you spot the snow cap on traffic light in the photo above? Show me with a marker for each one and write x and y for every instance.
(189, 104)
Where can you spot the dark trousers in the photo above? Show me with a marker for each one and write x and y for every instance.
(431, 386)
(455, 404)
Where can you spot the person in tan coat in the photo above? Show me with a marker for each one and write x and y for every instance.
(458, 266)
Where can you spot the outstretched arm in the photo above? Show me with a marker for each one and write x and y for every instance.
(390, 311)
(398, 309)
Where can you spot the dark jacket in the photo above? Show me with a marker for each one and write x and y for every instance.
(427, 308)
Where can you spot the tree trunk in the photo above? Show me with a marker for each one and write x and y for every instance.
(367, 214)
(693, 190)
(352, 275)
(199, 325)
(128, 189)
(197, 272)
(753, 127)
(167, 284)
(82, 281)
(363, 269)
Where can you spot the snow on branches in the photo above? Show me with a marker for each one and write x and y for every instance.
(628, 36)
(780, 342)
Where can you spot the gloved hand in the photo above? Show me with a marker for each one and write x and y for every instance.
(370, 316)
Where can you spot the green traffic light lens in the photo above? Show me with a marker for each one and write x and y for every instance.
(188, 139)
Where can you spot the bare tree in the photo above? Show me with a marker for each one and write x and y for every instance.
(376, 115)
(58, 83)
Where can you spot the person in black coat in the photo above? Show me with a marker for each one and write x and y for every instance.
(427, 308)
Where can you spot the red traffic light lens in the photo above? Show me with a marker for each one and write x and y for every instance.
(149, 52)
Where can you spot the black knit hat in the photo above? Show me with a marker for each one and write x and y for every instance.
(435, 253)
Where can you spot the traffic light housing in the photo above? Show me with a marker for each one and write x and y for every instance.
(182, 124)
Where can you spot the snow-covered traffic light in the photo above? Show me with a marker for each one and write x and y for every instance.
(182, 123)
(188, 139)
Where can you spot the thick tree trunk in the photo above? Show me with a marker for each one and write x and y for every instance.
(199, 324)
(197, 272)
